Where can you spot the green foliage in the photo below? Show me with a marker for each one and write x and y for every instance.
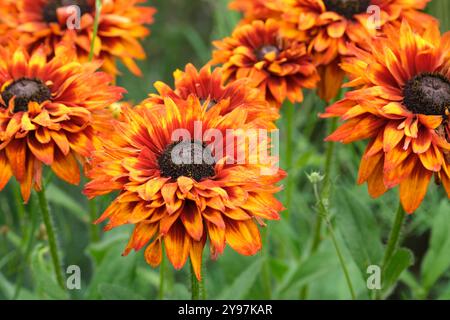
(182, 33)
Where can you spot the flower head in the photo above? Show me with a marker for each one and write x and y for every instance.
(210, 87)
(402, 106)
(181, 192)
(278, 66)
(50, 114)
(48, 22)
(257, 9)
(329, 25)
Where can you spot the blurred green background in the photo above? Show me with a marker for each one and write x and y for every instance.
(182, 33)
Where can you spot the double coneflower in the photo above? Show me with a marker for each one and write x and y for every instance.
(277, 66)
(182, 204)
(121, 25)
(329, 25)
(402, 105)
(50, 114)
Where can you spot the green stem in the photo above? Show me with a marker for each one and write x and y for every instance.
(98, 9)
(28, 241)
(323, 208)
(162, 269)
(325, 194)
(51, 236)
(195, 285)
(290, 117)
(394, 236)
(94, 230)
(266, 267)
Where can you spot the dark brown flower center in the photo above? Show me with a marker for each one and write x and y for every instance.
(261, 52)
(427, 93)
(187, 158)
(26, 90)
(347, 8)
(49, 11)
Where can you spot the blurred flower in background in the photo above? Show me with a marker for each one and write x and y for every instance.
(210, 87)
(329, 25)
(277, 66)
(121, 25)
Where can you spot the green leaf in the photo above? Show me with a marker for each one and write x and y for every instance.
(43, 274)
(301, 274)
(115, 292)
(437, 259)
(243, 283)
(360, 231)
(58, 197)
(400, 261)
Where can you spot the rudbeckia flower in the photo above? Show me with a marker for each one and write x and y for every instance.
(257, 9)
(50, 113)
(49, 22)
(402, 106)
(278, 66)
(182, 204)
(328, 25)
(210, 87)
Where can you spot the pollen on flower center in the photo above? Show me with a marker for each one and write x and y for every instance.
(26, 90)
(261, 52)
(187, 158)
(427, 93)
(49, 11)
(347, 8)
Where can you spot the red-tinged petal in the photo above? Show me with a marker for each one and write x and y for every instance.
(192, 221)
(16, 153)
(368, 165)
(414, 188)
(5, 171)
(142, 234)
(215, 217)
(432, 159)
(392, 136)
(243, 236)
(153, 253)
(375, 182)
(216, 236)
(178, 244)
(423, 141)
(167, 222)
(61, 141)
(43, 152)
(66, 168)
(196, 253)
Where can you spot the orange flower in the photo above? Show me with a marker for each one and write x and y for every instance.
(49, 112)
(328, 25)
(279, 67)
(402, 107)
(209, 87)
(182, 204)
(51, 21)
(257, 9)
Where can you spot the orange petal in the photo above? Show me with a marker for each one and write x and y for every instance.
(153, 253)
(196, 254)
(243, 236)
(192, 221)
(5, 171)
(414, 188)
(177, 243)
(66, 168)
